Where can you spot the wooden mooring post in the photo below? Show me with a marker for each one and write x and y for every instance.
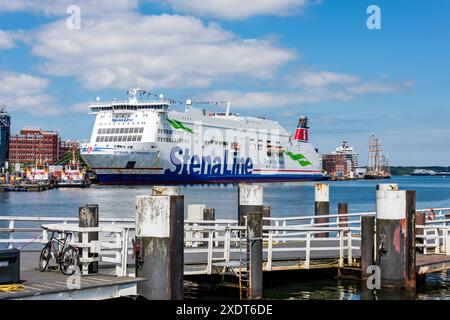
(159, 244)
(343, 210)
(209, 214)
(322, 205)
(88, 218)
(250, 199)
(367, 244)
(255, 254)
(396, 255)
(266, 214)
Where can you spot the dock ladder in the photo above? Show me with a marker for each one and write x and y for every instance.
(243, 274)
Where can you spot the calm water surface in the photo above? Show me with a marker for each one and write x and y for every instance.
(289, 199)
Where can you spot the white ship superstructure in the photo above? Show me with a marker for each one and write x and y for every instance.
(350, 156)
(147, 142)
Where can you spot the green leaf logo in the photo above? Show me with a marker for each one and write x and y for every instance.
(301, 159)
(179, 125)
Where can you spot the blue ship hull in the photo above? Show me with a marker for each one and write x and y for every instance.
(159, 179)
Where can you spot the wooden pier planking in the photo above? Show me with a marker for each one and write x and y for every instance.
(51, 285)
(429, 263)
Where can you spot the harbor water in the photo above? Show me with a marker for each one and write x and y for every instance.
(285, 199)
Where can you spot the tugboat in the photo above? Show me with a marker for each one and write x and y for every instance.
(38, 173)
(73, 174)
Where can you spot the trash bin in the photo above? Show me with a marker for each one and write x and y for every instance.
(9, 266)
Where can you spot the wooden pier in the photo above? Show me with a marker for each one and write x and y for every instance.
(26, 187)
(213, 247)
(54, 285)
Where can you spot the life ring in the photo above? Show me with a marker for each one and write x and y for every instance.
(431, 214)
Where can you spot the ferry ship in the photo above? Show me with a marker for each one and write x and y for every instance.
(145, 141)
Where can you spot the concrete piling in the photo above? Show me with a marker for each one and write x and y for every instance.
(255, 254)
(250, 199)
(367, 244)
(159, 244)
(395, 236)
(322, 205)
(88, 218)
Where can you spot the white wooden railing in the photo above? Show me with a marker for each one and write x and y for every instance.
(220, 238)
(112, 246)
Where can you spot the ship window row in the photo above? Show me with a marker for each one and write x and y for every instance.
(223, 143)
(165, 131)
(47, 148)
(179, 140)
(128, 107)
(118, 138)
(119, 130)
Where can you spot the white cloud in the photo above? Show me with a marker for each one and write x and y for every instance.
(6, 40)
(239, 9)
(318, 79)
(316, 91)
(82, 107)
(59, 7)
(272, 100)
(379, 88)
(166, 51)
(23, 92)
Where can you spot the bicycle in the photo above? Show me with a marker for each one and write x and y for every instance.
(66, 255)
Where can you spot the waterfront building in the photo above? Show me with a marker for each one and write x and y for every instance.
(5, 130)
(349, 155)
(33, 144)
(341, 163)
(336, 165)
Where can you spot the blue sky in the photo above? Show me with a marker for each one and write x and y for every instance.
(277, 58)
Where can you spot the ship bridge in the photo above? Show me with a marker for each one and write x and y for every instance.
(132, 104)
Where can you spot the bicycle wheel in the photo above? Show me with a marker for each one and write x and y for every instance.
(69, 260)
(45, 256)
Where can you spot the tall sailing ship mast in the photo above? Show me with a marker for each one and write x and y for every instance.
(378, 167)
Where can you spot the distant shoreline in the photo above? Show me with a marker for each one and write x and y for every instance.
(408, 170)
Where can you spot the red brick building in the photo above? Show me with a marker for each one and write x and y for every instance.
(33, 144)
(336, 165)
